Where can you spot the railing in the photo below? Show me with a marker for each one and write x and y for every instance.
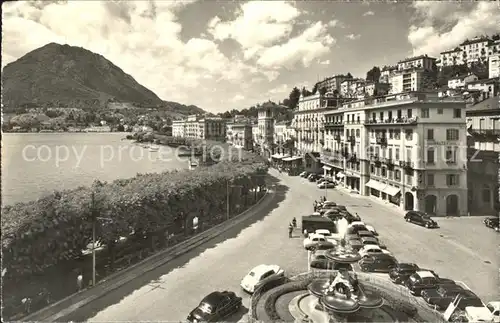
(336, 138)
(406, 164)
(388, 161)
(353, 122)
(403, 120)
(382, 141)
(352, 140)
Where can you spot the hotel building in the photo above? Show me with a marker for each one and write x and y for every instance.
(494, 66)
(332, 84)
(200, 127)
(239, 133)
(407, 80)
(407, 149)
(266, 114)
(419, 62)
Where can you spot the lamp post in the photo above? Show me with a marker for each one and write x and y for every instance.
(94, 220)
(227, 197)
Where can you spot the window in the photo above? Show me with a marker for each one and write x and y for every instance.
(389, 155)
(377, 151)
(425, 113)
(399, 114)
(397, 134)
(452, 179)
(409, 134)
(457, 113)
(358, 133)
(430, 134)
(384, 171)
(430, 179)
(408, 154)
(374, 116)
(391, 134)
(381, 114)
(397, 154)
(451, 155)
(372, 169)
(410, 113)
(430, 156)
(390, 115)
(397, 175)
(451, 134)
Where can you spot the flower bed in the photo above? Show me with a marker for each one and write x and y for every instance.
(43, 240)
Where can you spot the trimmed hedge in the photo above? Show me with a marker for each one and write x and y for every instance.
(270, 302)
(42, 233)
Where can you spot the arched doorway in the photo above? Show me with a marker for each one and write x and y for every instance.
(430, 204)
(452, 205)
(408, 201)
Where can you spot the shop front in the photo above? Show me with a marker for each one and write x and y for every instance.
(293, 165)
(277, 160)
(328, 171)
(353, 181)
(384, 191)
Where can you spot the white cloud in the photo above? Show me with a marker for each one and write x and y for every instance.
(327, 62)
(353, 37)
(142, 38)
(237, 97)
(314, 42)
(368, 13)
(257, 24)
(427, 38)
(333, 23)
(283, 88)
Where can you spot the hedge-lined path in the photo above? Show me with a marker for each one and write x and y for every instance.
(171, 291)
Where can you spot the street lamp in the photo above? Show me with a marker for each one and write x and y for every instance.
(227, 197)
(94, 220)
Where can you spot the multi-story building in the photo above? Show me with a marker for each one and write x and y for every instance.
(373, 89)
(476, 49)
(239, 133)
(266, 114)
(386, 72)
(450, 58)
(281, 131)
(494, 47)
(332, 84)
(408, 80)
(178, 128)
(461, 81)
(407, 149)
(494, 66)
(490, 87)
(349, 87)
(423, 62)
(200, 127)
(483, 121)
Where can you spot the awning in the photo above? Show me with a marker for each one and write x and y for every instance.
(292, 158)
(327, 168)
(376, 185)
(340, 175)
(391, 190)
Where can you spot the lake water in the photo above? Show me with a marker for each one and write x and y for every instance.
(35, 164)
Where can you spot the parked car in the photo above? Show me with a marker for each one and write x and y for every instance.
(323, 245)
(378, 263)
(312, 240)
(312, 177)
(371, 229)
(327, 234)
(350, 217)
(420, 218)
(369, 250)
(372, 241)
(332, 214)
(320, 261)
(492, 222)
(442, 296)
(260, 275)
(304, 174)
(326, 184)
(215, 307)
(425, 279)
(494, 308)
(356, 228)
(328, 205)
(365, 234)
(354, 243)
(403, 271)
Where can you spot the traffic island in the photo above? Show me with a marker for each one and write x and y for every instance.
(310, 299)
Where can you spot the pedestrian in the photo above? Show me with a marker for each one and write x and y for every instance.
(27, 304)
(294, 222)
(290, 230)
(305, 233)
(79, 281)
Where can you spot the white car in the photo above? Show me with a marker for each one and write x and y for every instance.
(327, 234)
(371, 229)
(326, 185)
(368, 250)
(313, 239)
(260, 275)
(356, 224)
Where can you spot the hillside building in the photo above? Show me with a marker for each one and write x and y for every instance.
(494, 66)
(423, 62)
(461, 81)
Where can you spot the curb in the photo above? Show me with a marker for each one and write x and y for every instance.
(114, 281)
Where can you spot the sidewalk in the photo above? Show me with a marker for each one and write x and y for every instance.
(114, 281)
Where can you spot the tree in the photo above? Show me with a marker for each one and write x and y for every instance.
(322, 90)
(120, 128)
(496, 37)
(304, 92)
(373, 75)
(315, 88)
(349, 75)
(294, 98)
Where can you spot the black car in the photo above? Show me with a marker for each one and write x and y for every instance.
(420, 218)
(492, 222)
(378, 263)
(444, 295)
(320, 261)
(215, 307)
(425, 279)
(313, 178)
(403, 271)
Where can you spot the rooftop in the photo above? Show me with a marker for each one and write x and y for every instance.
(454, 50)
(476, 40)
(485, 81)
(485, 105)
(409, 59)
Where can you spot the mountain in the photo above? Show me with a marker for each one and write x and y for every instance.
(65, 76)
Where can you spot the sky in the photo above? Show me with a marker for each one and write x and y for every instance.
(223, 55)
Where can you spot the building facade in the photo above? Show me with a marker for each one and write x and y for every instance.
(470, 51)
(239, 134)
(407, 149)
(423, 62)
(461, 81)
(178, 128)
(332, 84)
(266, 114)
(450, 58)
(200, 127)
(406, 81)
(494, 66)
(386, 72)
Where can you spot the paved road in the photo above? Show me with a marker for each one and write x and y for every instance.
(459, 250)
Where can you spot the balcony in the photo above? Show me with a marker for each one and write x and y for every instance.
(353, 122)
(388, 162)
(336, 138)
(407, 165)
(333, 124)
(394, 121)
(345, 152)
(374, 157)
(382, 141)
(352, 158)
(352, 140)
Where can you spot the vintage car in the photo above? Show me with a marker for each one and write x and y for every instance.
(260, 275)
(377, 263)
(442, 296)
(492, 222)
(327, 234)
(320, 261)
(403, 271)
(372, 241)
(369, 250)
(425, 279)
(215, 307)
(420, 218)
